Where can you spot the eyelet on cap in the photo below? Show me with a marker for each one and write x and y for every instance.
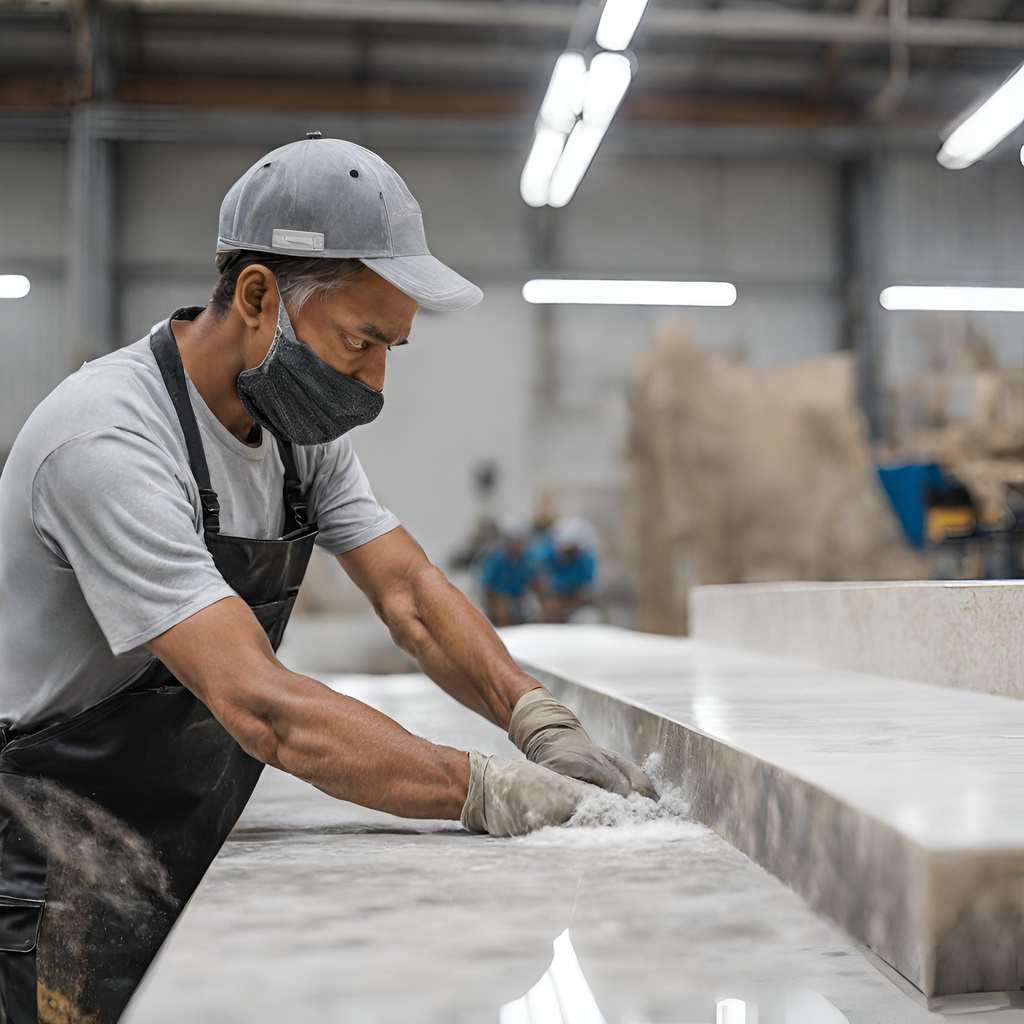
(354, 173)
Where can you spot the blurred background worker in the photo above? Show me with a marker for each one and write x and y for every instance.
(569, 565)
(509, 574)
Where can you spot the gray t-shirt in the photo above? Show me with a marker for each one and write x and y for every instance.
(101, 546)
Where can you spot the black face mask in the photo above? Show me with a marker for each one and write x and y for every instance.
(295, 395)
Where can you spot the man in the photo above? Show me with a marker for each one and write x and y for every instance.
(569, 567)
(507, 574)
(156, 515)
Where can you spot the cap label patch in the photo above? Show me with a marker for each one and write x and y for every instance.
(307, 241)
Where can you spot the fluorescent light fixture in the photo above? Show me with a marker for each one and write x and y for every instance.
(619, 21)
(547, 148)
(730, 1011)
(563, 102)
(577, 109)
(606, 85)
(562, 996)
(579, 151)
(14, 286)
(942, 297)
(987, 126)
(630, 293)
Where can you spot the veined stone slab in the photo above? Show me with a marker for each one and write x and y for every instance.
(965, 635)
(894, 807)
(320, 912)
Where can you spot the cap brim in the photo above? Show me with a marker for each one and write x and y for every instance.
(427, 280)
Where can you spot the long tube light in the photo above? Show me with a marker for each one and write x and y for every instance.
(630, 293)
(578, 107)
(540, 165)
(619, 20)
(953, 298)
(573, 162)
(606, 83)
(14, 286)
(999, 115)
(563, 102)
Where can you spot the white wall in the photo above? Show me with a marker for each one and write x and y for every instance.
(35, 353)
(951, 227)
(469, 386)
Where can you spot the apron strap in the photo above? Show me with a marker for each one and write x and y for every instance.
(168, 358)
(294, 499)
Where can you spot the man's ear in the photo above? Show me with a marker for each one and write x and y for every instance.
(256, 295)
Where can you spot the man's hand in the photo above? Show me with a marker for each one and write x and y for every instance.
(549, 734)
(510, 798)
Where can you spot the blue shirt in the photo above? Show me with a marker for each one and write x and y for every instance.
(567, 575)
(498, 572)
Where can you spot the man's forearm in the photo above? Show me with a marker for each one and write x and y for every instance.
(295, 723)
(456, 646)
(353, 752)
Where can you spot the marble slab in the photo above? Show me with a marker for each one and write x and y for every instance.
(895, 807)
(318, 910)
(965, 635)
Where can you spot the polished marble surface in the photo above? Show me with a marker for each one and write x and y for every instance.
(896, 807)
(317, 910)
(967, 635)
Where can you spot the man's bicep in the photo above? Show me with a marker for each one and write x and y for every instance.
(224, 657)
(216, 651)
(111, 505)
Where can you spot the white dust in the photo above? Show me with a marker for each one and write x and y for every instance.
(606, 818)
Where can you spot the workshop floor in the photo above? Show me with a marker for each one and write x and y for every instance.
(317, 910)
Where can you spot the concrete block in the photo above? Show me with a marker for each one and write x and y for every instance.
(964, 635)
(893, 807)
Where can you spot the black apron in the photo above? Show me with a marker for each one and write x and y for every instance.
(109, 820)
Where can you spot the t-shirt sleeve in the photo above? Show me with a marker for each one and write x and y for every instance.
(341, 502)
(113, 505)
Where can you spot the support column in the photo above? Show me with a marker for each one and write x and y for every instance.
(91, 308)
(862, 234)
(91, 302)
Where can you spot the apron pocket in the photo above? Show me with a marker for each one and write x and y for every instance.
(19, 923)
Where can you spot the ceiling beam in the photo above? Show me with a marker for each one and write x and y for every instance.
(186, 126)
(705, 23)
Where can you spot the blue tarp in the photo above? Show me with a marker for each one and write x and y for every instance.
(907, 487)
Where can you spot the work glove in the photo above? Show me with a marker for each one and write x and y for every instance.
(510, 798)
(548, 733)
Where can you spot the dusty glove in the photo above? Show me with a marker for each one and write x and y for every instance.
(548, 733)
(510, 798)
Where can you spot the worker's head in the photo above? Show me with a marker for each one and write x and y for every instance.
(570, 537)
(517, 537)
(323, 265)
(347, 314)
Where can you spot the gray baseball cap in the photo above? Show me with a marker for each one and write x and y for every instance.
(331, 198)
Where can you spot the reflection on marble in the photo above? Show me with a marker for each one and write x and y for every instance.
(317, 910)
(562, 996)
(895, 807)
(968, 635)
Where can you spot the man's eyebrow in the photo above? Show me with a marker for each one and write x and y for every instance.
(373, 331)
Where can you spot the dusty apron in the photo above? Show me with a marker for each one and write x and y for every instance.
(109, 820)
